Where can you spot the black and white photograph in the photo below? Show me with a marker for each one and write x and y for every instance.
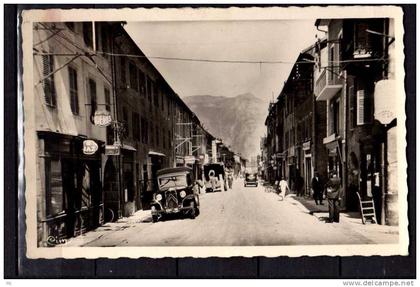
(214, 132)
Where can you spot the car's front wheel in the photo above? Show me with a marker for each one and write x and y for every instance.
(193, 210)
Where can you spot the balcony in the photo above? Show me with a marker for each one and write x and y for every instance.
(328, 84)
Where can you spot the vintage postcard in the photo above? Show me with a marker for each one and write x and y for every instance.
(173, 132)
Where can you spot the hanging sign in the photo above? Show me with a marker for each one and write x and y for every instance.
(189, 159)
(385, 104)
(89, 147)
(102, 118)
(112, 150)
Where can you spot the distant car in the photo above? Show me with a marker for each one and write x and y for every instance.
(177, 193)
(251, 179)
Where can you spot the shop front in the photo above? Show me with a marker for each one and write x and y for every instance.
(70, 199)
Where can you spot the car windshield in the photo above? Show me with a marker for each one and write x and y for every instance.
(173, 181)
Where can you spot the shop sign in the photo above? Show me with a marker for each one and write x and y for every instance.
(112, 150)
(306, 145)
(189, 159)
(385, 106)
(89, 147)
(102, 118)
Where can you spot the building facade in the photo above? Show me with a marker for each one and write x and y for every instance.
(356, 66)
(69, 91)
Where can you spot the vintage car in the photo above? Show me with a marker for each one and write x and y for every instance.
(251, 179)
(177, 193)
(214, 177)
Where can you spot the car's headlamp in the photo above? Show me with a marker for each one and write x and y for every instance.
(158, 197)
(182, 194)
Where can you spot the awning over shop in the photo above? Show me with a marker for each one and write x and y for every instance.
(128, 147)
(156, 153)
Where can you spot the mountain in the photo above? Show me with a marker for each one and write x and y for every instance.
(239, 120)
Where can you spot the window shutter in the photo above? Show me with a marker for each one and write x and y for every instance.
(361, 107)
(48, 83)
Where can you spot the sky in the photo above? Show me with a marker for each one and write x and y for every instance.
(224, 40)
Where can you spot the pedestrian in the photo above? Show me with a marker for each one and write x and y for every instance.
(334, 196)
(213, 179)
(299, 185)
(283, 188)
(318, 188)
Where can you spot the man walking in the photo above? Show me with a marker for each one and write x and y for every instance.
(334, 196)
(318, 188)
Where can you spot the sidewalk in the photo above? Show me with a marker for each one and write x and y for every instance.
(348, 220)
(108, 228)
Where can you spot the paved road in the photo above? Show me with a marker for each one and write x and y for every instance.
(241, 216)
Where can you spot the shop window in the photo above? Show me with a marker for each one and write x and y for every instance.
(73, 89)
(54, 187)
(133, 77)
(88, 34)
(48, 83)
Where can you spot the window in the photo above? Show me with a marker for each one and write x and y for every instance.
(74, 96)
(134, 84)
(54, 187)
(93, 98)
(362, 46)
(88, 34)
(136, 126)
(157, 136)
(152, 135)
(48, 83)
(364, 108)
(107, 99)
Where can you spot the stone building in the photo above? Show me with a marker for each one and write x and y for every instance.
(357, 63)
(71, 87)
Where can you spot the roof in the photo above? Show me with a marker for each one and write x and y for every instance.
(173, 170)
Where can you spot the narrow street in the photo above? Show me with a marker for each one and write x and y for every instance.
(241, 216)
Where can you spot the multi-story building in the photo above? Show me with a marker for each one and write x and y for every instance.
(71, 88)
(355, 66)
(106, 121)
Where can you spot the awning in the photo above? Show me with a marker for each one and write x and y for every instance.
(156, 153)
(128, 147)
